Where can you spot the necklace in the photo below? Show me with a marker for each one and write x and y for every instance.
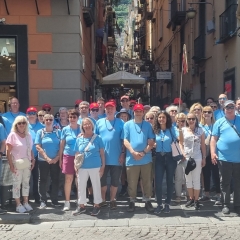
(21, 133)
(110, 124)
(138, 126)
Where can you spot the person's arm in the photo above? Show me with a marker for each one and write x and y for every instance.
(136, 155)
(9, 157)
(102, 155)
(43, 154)
(213, 144)
(203, 149)
(56, 159)
(62, 145)
(181, 145)
(3, 146)
(122, 155)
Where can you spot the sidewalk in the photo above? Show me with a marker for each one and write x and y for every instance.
(179, 215)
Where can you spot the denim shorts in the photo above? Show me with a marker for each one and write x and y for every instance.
(115, 173)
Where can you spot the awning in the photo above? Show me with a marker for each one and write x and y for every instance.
(123, 77)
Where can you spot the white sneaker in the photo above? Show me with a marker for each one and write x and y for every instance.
(66, 206)
(20, 209)
(27, 207)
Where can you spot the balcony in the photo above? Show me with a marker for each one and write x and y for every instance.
(199, 48)
(178, 13)
(228, 23)
(149, 14)
(88, 12)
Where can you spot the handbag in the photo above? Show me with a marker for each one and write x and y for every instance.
(79, 159)
(23, 163)
(191, 163)
(176, 150)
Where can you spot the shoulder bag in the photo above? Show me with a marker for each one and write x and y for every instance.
(176, 150)
(79, 159)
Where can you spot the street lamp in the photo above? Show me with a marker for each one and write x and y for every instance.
(191, 12)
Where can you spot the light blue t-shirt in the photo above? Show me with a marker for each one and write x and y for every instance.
(219, 113)
(33, 128)
(92, 158)
(102, 115)
(110, 132)
(138, 134)
(3, 134)
(49, 141)
(228, 144)
(11, 117)
(164, 140)
(70, 136)
(207, 129)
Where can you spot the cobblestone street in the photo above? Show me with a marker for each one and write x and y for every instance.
(71, 230)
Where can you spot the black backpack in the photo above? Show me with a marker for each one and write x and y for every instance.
(1, 121)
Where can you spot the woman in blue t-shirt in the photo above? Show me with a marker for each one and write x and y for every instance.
(47, 143)
(94, 163)
(165, 135)
(67, 153)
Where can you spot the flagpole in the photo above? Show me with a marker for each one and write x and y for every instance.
(180, 91)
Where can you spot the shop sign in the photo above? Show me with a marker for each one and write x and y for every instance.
(4, 52)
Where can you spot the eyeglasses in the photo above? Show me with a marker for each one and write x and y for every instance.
(150, 118)
(47, 109)
(223, 98)
(21, 123)
(213, 106)
(94, 110)
(191, 119)
(40, 115)
(124, 100)
(197, 109)
(31, 113)
(209, 112)
(230, 107)
(73, 117)
(182, 121)
(173, 111)
(49, 120)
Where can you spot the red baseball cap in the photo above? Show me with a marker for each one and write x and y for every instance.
(125, 97)
(133, 102)
(31, 109)
(112, 100)
(138, 107)
(110, 104)
(177, 101)
(78, 101)
(46, 105)
(93, 105)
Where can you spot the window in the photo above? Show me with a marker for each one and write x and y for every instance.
(7, 60)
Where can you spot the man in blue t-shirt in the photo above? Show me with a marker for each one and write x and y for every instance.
(101, 105)
(219, 113)
(139, 139)
(125, 103)
(84, 112)
(14, 105)
(110, 129)
(225, 151)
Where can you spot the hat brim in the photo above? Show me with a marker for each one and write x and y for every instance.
(118, 115)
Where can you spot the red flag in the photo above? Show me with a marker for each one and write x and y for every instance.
(184, 60)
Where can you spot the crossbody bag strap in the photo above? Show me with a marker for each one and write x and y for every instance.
(174, 142)
(91, 141)
(234, 128)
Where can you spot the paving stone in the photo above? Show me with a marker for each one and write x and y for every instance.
(112, 223)
(80, 223)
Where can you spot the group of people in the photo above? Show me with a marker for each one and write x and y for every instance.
(133, 145)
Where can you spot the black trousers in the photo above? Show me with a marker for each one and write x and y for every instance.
(35, 177)
(230, 171)
(44, 169)
(209, 170)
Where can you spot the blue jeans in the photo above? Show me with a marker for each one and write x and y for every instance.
(164, 164)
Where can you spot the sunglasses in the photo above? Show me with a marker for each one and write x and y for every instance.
(197, 109)
(124, 101)
(223, 98)
(191, 119)
(49, 120)
(47, 109)
(213, 106)
(209, 112)
(31, 113)
(173, 111)
(94, 110)
(230, 107)
(41, 115)
(21, 123)
(73, 117)
(150, 118)
(182, 121)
